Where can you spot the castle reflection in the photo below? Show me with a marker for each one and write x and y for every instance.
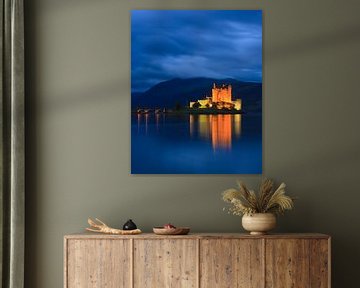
(219, 129)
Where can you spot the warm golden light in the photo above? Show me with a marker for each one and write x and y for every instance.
(191, 122)
(221, 131)
(216, 128)
(204, 126)
(237, 125)
(221, 98)
(138, 121)
(146, 122)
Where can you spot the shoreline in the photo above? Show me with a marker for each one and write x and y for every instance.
(189, 111)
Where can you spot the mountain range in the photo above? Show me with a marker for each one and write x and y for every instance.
(179, 91)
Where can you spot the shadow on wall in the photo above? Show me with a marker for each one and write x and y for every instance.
(112, 90)
(325, 166)
(336, 218)
(315, 43)
(31, 136)
(101, 93)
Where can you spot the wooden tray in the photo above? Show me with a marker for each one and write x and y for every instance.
(171, 231)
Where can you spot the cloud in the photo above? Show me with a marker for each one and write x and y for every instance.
(218, 44)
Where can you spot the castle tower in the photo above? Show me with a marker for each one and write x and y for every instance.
(214, 93)
(229, 95)
(222, 94)
(221, 98)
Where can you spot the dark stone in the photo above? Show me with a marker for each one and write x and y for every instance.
(129, 225)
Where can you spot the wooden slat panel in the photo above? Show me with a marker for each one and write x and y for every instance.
(197, 261)
(231, 263)
(287, 263)
(165, 263)
(319, 263)
(98, 264)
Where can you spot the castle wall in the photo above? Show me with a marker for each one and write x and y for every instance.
(222, 94)
(237, 104)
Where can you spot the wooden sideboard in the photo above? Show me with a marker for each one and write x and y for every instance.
(197, 260)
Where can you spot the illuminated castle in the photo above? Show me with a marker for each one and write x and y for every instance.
(221, 98)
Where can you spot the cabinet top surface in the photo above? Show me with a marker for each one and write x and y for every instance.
(87, 235)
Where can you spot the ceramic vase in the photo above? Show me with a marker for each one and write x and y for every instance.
(259, 223)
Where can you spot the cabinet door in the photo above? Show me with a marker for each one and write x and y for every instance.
(320, 263)
(98, 263)
(287, 263)
(231, 263)
(165, 263)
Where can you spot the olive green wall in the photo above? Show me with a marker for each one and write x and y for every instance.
(78, 120)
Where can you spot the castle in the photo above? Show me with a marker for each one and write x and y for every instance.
(221, 98)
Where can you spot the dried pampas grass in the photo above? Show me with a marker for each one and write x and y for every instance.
(244, 201)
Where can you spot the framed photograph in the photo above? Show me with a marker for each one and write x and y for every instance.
(196, 92)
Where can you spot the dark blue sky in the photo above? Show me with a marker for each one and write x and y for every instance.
(188, 43)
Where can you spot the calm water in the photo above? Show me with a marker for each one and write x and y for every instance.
(191, 144)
